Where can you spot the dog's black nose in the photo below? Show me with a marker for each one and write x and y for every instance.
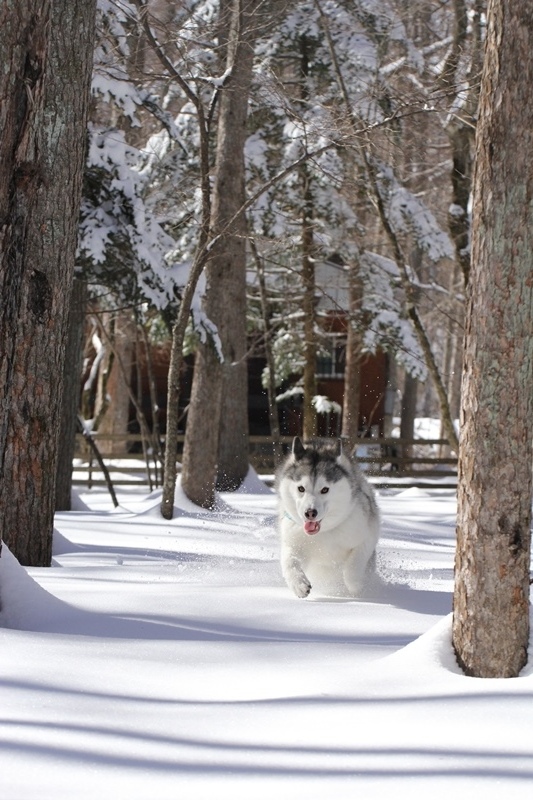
(311, 513)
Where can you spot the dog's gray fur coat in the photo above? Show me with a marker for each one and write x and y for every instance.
(328, 520)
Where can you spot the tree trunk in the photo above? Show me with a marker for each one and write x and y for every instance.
(266, 313)
(391, 393)
(45, 88)
(118, 385)
(217, 424)
(408, 414)
(460, 127)
(352, 371)
(491, 598)
(71, 395)
(104, 322)
(308, 306)
(308, 272)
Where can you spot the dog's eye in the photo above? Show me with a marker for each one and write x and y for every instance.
(325, 490)
(301, 489)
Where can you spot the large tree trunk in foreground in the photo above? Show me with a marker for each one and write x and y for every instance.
(44, 85)
(491, 599)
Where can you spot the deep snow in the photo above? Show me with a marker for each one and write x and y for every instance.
(168, 660)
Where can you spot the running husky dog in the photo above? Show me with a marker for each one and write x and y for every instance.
(329, 521)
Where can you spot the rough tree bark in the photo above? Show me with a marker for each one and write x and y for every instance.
(44, 85)
(491, 598)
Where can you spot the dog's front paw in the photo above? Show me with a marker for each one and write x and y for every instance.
(301, 585)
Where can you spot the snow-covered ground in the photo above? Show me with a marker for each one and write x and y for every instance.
(168, 660)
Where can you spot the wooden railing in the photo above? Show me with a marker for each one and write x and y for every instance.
(388, 462)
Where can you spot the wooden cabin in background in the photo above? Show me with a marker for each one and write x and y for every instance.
(331, 300)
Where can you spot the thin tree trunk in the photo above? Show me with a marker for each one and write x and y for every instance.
(352, 372)
(408, 414)
(102, 365)
(308, 273)
(118, 385)
(390, 397)
(71, 395)
(45, 89)
(491, 597)
(308, 306)
(156, 431)
(273, 415)
(87, 435)
(461, 127)
(174, 373)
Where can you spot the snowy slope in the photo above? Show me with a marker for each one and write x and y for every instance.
(168, 660)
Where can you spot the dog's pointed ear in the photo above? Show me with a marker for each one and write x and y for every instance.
(339, 451)
(298, 449)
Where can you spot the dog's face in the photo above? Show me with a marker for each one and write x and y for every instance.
(315, 488)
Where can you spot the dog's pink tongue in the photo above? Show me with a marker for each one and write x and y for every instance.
(311, 526)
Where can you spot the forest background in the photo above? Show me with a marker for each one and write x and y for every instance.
(242, 151)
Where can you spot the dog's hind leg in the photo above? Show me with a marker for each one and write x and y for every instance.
(295, 577)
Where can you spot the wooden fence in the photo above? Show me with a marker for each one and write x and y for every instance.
(389, 463)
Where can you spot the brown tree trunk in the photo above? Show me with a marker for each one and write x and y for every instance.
(273, 414)
(44, 83)
(352, 371)
(408, 413)
(308, 272)
(216, 438)
(491, 598)
(105, 367)
(460, 127)
(308, 307)
(71, 395)
(118, 384)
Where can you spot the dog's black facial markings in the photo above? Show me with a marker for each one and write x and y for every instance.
(315, 462)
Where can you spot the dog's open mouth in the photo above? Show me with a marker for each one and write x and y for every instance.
(311, 526)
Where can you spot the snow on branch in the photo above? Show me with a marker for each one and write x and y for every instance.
(408, 214)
